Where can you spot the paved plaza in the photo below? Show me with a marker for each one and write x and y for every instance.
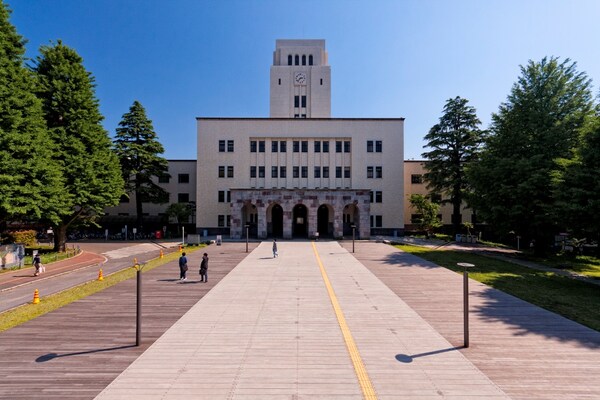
(318, 322)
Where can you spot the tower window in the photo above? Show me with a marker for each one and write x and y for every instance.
(274, 146)
(296, 101)
(296, 146)
(305, 172)
(283, 146)
(304, 59)
(290, 59)
(274, 172)
(253, 146)
(221, 146)
(325, 146)
(304, 101)
(321, 81)
(378, 146)
(346, 146)
(305, 146)
(279, 81)
(253, 171)
(261, 146)
(317, 172)
(261, 172)
(282, 172)
(338, 146)
(325, 172)
(369, 146)
(296, 172)
(310, 60)
(338, 172)
(346, 172)
(230, 146)
(297, 59)
(317, 146)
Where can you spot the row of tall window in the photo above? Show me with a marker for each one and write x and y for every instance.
(378, 146)
(300, 146)
(181, 178)
(374, 172)
(224, 219)
(223, 168)
(224, 196)
(376, 221)
(376, 196)
(300, 60)
(299, 172)
(225, 146)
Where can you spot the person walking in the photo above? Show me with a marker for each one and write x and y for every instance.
(183, 267)
(275, 248)
(37, 263)
(204, 268)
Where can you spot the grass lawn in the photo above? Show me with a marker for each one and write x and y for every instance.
(583, 265)
(573, 299)
(24, 313)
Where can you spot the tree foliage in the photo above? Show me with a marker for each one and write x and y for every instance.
(428, 212)
(93, 178)
(138, 149)
(455, 141)
(536, 126)
(30, 181)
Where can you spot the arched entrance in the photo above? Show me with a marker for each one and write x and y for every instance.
(250, 219)
(276, 221)
(324, 224)
(350, 218)
(300, 221)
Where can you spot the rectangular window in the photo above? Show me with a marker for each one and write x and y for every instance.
(261, 146)
(221, 146)
(283, 146)
(338, 146)
(305, 172)
(304, 101)
(346, 172)
(305, 146)
(338, 172)
(230, 146)
(379, 172)
(164, 179)
(183, 178)
(296, 101)
(346, 146)
(296, 146)
(317, 172)
(378, 221)
(282, 172)
(317, 146)
(228, 196)
(378, 197)
(378, 146)
(369, 172)
(325, 146)
(369, 146)
(416, 178)
(253, 146)
(230, 171)
(325, 172)
(221, 171)
(371, 196)
(261, 172)
(228, 217)
(253, 171)
(274, 146)
(273, 172)
(183, 197)
(371, 221)
(221, 196)
(221, 220)
(296, 172)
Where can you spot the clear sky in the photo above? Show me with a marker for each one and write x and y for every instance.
(184, 59)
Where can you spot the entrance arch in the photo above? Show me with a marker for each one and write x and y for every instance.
(325, 220)
(351, 217)
(300, 221)
(276, 225)
(249, 218)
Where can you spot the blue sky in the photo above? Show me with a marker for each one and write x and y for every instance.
(184, 59)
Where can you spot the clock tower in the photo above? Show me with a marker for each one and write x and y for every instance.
(300, 80)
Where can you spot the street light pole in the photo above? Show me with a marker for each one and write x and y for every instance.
(466, 301)
(247, 226)
(138, 310)
(353, 236)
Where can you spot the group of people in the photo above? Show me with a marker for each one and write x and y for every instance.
(183, 268)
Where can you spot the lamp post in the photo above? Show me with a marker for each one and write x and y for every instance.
(138, 310)
(247, 227)
(465, 301)
(353, 236)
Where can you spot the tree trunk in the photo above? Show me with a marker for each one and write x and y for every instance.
(60, 238)
(138, 206)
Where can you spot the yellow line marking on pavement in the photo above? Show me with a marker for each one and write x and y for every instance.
(359, 367)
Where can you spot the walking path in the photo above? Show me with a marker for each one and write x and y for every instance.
(315, 323)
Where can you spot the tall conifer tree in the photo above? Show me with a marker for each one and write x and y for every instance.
(139, 150)
(83, 147)
(30, 182)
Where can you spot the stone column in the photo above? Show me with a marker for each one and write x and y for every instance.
(235, 231)
(262, 219)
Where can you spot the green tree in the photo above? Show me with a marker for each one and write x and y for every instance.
(455, 141)
(30, 181)
(83, 147)
(578, 186)
(537, 125)
(138, 149)
(180, 211)
(428, 212)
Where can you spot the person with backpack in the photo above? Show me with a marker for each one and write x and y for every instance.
(183, 267)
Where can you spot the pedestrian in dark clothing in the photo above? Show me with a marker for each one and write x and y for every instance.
(183, 267)
(204, 268)
(275, 248)
(37, 263)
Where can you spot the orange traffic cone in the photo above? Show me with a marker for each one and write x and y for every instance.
(180, 248)
(100, 276)
(36, 297)
(135, 261)
(161, 253)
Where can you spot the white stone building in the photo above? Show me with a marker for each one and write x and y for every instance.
(300, 171)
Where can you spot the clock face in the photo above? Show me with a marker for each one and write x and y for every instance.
(300, 78)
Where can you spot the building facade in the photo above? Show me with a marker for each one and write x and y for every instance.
(300, 173)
